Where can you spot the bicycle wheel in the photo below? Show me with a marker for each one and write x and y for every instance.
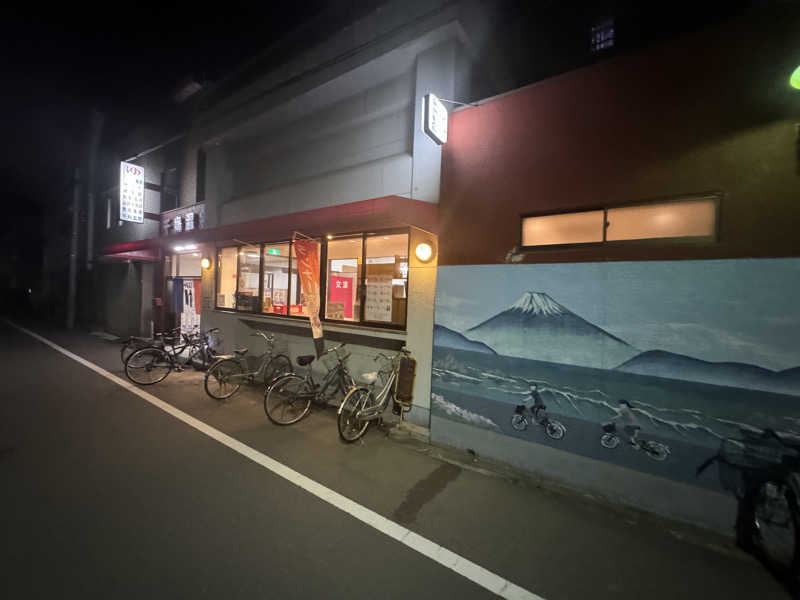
(519, 422)
(218, 382)
(148, 366)
(288, 399)
(351, 428)
(555, 429)
(278, 365)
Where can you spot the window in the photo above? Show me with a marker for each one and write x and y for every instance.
(247, 290)
(569, 228)
(364, 276)
(226, 277)
(691, 218)
(386, 282)
(602, 35)
(275, 299)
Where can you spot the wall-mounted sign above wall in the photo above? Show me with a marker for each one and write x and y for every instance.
(131, 193)
(434, 118)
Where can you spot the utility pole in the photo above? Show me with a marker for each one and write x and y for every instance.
(73, 249)
(94, 142)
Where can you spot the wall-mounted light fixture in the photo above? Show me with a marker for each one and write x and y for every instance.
(424, 251)
(205, 262)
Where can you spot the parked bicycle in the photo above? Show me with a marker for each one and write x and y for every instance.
(227, 374)
(152, 364)
(361, 406)
(134, 343)
(288, 399)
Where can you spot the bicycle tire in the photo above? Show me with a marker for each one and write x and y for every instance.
(217, 374)
(288, 399)
(350, 428)
(148, 366)
(278, 365)
(519, 422)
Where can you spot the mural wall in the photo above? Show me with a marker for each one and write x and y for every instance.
(653, 366)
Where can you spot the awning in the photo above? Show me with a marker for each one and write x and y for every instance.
(377, 213)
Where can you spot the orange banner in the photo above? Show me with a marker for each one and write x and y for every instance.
(307, 253)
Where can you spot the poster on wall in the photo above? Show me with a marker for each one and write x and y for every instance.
(341, 292)
(307, 252)
(190, 315)
(379, 298)
(131, 193)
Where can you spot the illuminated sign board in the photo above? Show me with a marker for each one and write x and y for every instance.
(434, 118)
(131, 193)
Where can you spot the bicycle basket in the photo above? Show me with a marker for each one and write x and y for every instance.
(404, 387)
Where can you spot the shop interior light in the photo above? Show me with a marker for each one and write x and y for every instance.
(184, 248)
(424, 252)
(273, 251)
(794, 80)
(329, 236)
(205, 262)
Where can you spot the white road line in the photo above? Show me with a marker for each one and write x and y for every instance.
(466, 568)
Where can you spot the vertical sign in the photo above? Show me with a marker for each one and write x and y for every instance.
(307, 253)
(434, 118)
(131, 193)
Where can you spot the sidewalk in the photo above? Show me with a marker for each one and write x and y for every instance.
(554, 542)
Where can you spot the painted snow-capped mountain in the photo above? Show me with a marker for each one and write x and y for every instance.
(447, 338)
(539, 328)
(659, 363)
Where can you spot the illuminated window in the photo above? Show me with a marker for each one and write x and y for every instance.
(386, 281)
(247, 292)
(344, 279)
(275, 298)
(226, 277)
(691, 218)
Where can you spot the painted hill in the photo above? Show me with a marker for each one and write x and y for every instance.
(539, 328)
(447, 338)
(660, 363)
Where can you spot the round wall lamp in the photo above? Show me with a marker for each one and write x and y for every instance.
(205, 262)
(424, 252)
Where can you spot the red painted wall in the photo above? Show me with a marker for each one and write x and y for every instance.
(709, 112)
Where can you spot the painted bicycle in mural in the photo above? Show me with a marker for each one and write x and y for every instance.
(525, 415)
(610, 438)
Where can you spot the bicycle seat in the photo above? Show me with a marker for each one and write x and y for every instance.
(241, 351)
(370, 377)
(306, 359)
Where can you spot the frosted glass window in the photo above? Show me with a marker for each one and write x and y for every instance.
(386, 278)
(247, 293)
(692, 218)
(569, 228)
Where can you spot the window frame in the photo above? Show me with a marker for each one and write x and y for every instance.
(323, 279)
(694, 240)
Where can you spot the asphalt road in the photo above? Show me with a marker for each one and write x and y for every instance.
(105, 495)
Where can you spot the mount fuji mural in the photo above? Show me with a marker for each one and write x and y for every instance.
(686, 354)
(539, 328)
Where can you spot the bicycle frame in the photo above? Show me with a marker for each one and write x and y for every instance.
(248, 375)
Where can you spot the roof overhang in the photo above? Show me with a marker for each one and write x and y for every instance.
(387, 212)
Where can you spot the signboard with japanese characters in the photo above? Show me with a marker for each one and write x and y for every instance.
(434, 118)
(131, 193)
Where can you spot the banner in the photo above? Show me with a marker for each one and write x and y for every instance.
(307, 253)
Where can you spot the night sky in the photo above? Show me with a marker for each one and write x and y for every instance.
(60, 64)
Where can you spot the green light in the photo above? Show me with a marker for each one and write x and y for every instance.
(794, 80)
(273, 251)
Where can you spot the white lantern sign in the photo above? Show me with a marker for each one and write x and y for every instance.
(131, 193)
(434, 121)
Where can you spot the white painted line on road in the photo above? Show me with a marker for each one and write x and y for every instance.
(464, 567)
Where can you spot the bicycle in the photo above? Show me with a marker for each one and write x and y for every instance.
(361, 406)
(288, 399)
(134, 343)
(152, 364)
(224, 378)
